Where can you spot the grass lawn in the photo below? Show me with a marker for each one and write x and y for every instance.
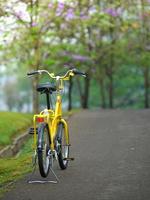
(11, 124)
(11, 169)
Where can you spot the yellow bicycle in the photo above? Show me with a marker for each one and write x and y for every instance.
(50, 130)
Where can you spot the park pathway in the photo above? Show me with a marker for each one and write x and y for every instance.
(112, 160)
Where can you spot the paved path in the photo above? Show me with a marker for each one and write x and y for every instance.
(112, 160)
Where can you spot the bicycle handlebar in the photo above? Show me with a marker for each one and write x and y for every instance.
(77, 72)
(32, 73)
(70, 72)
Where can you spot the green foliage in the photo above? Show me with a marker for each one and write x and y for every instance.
(11, 124)
(110, 33)
(128, 81)
(11, 169)
(94, 100)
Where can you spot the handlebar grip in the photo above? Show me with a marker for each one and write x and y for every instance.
(32, 73)
(77, 72)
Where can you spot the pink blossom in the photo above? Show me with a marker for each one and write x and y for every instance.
(111, 11)
(63, 26)
(34, 24)
(70, 14)
(19, 14)
(80, 57)
(50, 5)
(77, 57)
(92, 10)
(60, 8)
(84, 16)
(114, 12)
(120, 11)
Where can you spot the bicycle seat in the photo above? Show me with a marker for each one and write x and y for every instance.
(46, 88)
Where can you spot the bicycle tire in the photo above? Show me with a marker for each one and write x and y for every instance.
(63, 148)
(43, 147)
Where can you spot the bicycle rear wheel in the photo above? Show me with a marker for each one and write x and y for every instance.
(63, 147)
(43, 148)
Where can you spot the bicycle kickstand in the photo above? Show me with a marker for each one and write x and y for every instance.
(31, 181)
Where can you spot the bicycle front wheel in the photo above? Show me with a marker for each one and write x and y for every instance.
(63, 147)
(43, 148)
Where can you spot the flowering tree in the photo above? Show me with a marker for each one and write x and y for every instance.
(137, 33)
(97, 36)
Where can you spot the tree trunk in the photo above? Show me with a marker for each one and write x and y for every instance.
(146, 86)
(35, 100)
(86, 92)
(110, 69)
(70, 94)
(35, 81)
(145, 41)
(102, 92)
(111, 91)
(80, 92)
(36, 57)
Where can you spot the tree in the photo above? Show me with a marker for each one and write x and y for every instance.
(97, 36)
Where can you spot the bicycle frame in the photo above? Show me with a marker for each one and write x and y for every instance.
(53, 125)
(52, 118)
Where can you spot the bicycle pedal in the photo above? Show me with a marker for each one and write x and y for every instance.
(69, 159)
(31, 131)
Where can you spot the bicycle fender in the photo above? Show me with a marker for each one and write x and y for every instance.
(66, 130)
(40, 135)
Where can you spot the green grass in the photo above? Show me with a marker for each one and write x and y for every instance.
(12, 169)
(11, 124)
